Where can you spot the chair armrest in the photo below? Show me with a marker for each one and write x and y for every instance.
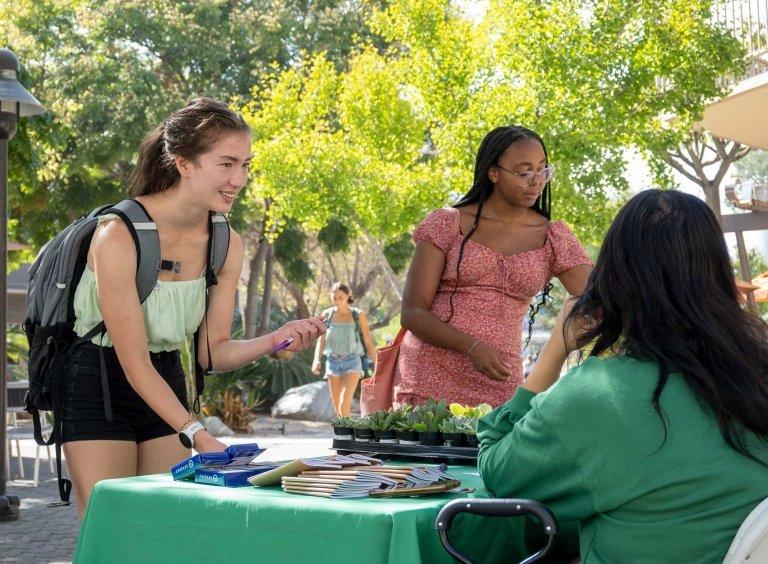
(496, 508)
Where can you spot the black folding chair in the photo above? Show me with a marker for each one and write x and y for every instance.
(496, 508)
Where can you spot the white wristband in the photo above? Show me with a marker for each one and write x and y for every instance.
(187, 436)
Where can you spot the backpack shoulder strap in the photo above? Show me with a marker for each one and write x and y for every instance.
(144, 232)
(218, 245)
(356, 317)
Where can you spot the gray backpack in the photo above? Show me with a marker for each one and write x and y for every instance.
(53, 278)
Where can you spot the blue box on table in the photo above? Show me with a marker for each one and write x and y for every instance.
(233, 476)
(237, 454)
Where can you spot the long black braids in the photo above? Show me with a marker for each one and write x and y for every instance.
(491, 148)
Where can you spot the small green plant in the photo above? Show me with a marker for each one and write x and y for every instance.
(383, 420)
(405, 425)
(427, 417)
(464, 425)
(345, 421)
(476, 412)
(363, 422)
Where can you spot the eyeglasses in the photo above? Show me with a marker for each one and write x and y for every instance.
(529, 177)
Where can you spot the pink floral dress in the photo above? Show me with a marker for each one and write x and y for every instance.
(492, 298)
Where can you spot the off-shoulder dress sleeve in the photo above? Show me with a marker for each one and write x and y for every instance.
(439, 228)
(567, 252)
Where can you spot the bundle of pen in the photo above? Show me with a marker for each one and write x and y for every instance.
(371, 481)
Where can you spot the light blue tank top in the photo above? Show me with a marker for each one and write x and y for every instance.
(341, 339)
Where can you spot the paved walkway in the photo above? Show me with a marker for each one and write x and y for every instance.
(45, 534)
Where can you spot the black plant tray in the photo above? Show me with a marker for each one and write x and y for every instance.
(423, 453)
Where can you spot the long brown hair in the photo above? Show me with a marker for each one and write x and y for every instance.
(188, 132)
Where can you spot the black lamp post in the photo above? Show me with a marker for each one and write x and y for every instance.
(15, 103)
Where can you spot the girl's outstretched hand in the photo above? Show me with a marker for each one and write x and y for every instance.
(302, 331)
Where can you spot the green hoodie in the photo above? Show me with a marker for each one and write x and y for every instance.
(592, 449)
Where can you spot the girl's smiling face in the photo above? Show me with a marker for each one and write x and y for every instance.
(218, 175)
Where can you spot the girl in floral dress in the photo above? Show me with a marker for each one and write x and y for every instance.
(476, 268)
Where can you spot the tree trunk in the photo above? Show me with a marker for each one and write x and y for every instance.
(266, 300)
(388, 270)
(252, 299)
(701, 151)
(712, 197)
(302, 310)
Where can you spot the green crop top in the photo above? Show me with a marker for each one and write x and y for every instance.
(172, 312)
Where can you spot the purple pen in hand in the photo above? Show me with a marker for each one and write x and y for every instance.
(282, 344)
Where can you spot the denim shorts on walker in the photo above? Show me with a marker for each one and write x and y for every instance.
(340, 365)
(133, 420)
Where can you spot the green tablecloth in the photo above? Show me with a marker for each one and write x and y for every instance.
(154, 519)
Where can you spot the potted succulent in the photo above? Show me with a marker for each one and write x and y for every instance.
(361, 426)
(471, 432)
(475, 412)
(403, 425)
(382, 424)
(406, 434)
(342, 428)
(427, 419)
(470, 415)
(455, 430)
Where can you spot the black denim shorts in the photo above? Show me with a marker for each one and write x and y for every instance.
(133, 420)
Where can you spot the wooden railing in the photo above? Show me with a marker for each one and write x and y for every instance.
(748, 20)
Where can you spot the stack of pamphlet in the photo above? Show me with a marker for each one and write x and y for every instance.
(296, 467)
(355, 475)
(231, 467)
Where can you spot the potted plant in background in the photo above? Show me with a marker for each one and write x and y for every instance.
(471, 433)
(474, 412)
(342, 428)
(406, 434)
(466, 417)
(455, 430)
(428, 418)
(361, 427)
(382, 424)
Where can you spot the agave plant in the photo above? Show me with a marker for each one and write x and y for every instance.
(342, 421)
(426, 418)
(363, 422)
(464, 425)
(383, 420)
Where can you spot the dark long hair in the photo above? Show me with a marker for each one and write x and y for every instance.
(187, 133)
(663, 290)
(491, 148)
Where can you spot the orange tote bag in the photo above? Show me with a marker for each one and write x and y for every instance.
(376, 393)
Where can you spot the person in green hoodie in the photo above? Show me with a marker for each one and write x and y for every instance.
(657, 444)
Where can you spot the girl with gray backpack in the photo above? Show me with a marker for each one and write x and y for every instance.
(121, 388)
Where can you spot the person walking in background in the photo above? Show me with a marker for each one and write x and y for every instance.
(344, 346)
(474, 272)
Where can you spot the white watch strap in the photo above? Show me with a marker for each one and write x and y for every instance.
(192, 429)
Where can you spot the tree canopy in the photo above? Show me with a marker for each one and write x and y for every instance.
(394, 135)
(367, 113)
